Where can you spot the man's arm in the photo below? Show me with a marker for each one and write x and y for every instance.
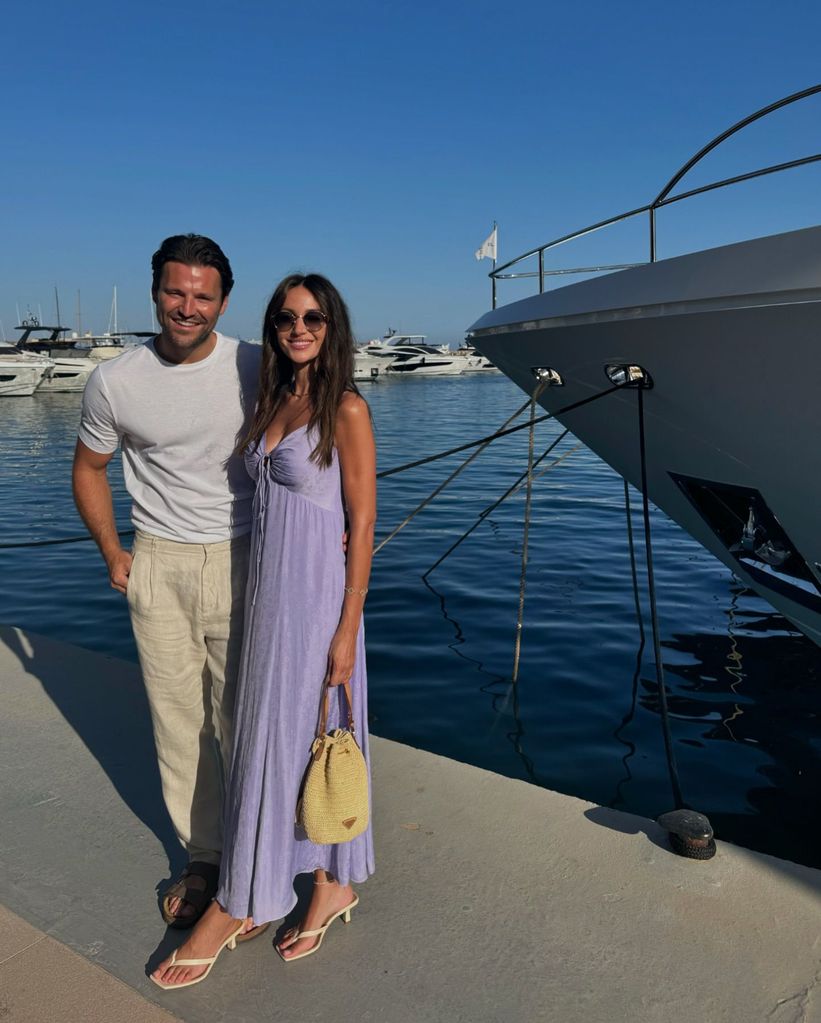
(92, 495)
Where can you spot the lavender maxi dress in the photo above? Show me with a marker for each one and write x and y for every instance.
(294, 600)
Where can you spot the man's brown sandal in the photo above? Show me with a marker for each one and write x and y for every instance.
(196, 886)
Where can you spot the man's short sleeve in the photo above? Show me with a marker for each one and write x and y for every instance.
(98, 429)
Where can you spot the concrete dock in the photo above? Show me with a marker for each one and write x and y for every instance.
(494, 900)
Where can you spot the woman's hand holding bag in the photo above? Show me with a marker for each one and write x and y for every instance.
(333, 807)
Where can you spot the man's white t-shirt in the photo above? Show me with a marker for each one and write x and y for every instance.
(178, 426)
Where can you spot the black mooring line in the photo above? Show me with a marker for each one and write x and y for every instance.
(651, 590)
(501, 433)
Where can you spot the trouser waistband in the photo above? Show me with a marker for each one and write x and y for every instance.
(159, 543)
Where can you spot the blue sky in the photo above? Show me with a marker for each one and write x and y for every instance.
(377, 142)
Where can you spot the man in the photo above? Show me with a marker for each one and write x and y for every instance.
(177, 407)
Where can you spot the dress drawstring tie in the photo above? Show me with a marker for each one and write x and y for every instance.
(261, 499)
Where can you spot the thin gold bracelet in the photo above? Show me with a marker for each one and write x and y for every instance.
(353, 589)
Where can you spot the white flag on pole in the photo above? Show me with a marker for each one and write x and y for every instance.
(487, 250)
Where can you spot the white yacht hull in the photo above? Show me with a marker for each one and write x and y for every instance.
(479, 364)
(731, 338)
(20, 379)
(404, 355)
(68, 374)
(367, 368)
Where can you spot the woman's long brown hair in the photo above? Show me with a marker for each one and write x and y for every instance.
(332, 371)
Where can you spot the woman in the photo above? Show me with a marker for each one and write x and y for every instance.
(303, 628)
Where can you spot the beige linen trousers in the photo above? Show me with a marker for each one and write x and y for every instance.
(186, 604)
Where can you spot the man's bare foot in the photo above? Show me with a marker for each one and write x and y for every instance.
(328, 898)
(205, 941)
(191, 894)
(180, 908)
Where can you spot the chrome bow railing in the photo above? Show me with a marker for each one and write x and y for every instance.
(662, 199)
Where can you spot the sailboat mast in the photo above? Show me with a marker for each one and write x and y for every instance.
(112, 316)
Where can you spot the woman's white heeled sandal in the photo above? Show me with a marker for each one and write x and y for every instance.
(319, 933)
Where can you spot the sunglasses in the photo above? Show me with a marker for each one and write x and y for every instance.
(313, 320)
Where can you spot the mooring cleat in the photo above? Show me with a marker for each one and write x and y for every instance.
(690, 832)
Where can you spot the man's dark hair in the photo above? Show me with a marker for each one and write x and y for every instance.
(192, 250)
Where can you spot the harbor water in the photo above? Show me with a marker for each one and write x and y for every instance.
(583, 718)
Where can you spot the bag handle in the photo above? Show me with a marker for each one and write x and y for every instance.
(323, 717)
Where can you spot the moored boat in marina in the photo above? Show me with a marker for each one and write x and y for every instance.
(408, 355)
(475, 362)
(21, 372)
(723, 345)
(109, 345)
(71, 358)
(366, 368)
(68, 371)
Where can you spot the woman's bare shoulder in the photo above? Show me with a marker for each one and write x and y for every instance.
(353, 409)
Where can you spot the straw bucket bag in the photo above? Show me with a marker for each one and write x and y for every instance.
(333, 807)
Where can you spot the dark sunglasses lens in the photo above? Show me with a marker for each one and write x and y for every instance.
(313, 321)
(283, 321)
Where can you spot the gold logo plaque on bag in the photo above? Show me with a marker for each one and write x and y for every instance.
(333, 807)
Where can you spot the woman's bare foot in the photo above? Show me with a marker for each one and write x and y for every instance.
(206, 939)
(328, 898)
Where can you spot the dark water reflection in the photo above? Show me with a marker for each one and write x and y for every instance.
(752, 698)
(583, 717)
